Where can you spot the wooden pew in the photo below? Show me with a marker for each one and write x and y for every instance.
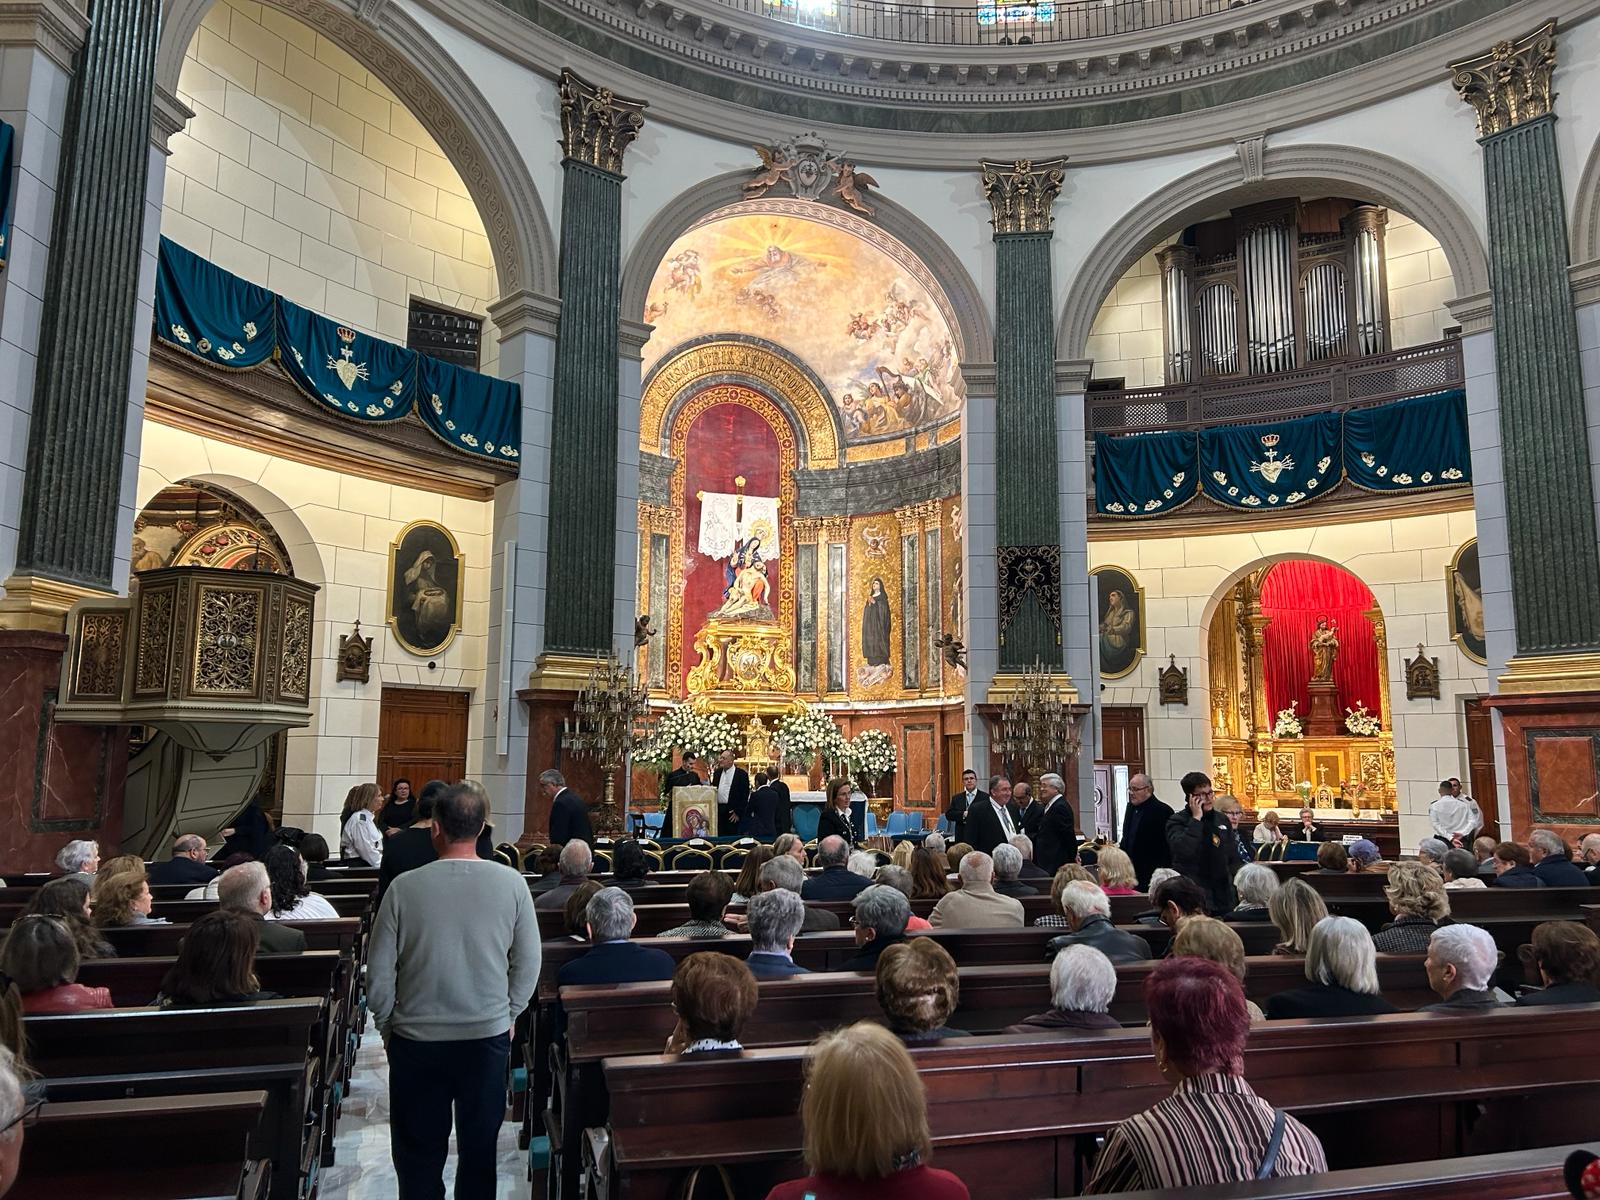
(1014, 1116)
(147, 941)
(188, 1146)
(146, 1053)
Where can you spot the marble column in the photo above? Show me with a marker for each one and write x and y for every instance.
(597, 126)
(1079, 630)
(67, 535)
(1554, 552)
(1027, 516)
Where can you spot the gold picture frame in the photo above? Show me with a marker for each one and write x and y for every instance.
(1121, 664)
(423, 601)
(1464, 566)
(702, 800)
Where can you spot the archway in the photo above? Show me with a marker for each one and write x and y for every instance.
(1586, 211)
(1286, 171)
(449, 106)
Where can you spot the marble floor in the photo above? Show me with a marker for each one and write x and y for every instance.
(362, 1170)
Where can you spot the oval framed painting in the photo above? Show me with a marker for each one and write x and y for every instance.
(425, 576)
(1119, 610)
(1463, 598)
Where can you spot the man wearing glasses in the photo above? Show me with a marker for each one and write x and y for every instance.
(1202, 842)
(1144, 829)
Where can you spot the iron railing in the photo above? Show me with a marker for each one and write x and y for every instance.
(983, 22)
(1349, 383)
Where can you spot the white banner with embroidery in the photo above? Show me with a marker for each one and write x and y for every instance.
(727, 520)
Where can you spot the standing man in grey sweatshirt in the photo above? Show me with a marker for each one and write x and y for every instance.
(454, 960)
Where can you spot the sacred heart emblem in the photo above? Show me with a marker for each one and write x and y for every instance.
(345, 366)
(1273, 466)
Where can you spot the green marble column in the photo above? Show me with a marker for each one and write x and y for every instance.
(1550, 515)
(80, 400)
(597, 127)
(1027, 501)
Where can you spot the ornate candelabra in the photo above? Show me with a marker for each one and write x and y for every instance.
(609, 723)
(1038, 729)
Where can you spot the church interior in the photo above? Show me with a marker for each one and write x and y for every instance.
(703, 400)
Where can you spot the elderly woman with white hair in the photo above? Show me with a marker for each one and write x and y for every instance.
(1082, 983)
(1431, 852)
(1460, 964)
(1256, 884)
(79, 859)
(1342, 968)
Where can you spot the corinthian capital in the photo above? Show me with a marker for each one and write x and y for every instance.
(1509, 85)
(597, 124)
(1022, 193)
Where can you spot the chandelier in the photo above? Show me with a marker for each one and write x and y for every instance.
(609, 722)
(1038, 731)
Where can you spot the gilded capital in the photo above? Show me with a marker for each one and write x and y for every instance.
(1022, 193)
(1510, 85)
(596, 123)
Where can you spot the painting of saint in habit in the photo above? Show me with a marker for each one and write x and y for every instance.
(424, 587)
(1464, 596)
(875, 628)
(1120, 605)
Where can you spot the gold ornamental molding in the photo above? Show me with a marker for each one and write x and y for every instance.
(1007, 685)
(597, 125)
(1510, 85)
(35, 603)
(1023, 193)
(562, 672)
(1535, 674)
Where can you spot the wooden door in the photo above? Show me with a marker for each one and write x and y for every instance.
(1122, 736)
(1481, 783)
(422, 735)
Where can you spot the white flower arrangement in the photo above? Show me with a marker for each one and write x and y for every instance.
(1288, 723)
(1359, 721)
(801, 736)
(871, 756)
(682, 728)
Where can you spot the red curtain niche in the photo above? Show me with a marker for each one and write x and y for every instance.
(1294, 594)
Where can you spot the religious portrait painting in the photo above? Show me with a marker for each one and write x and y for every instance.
(425, 573)
(1120, 612)
(876, 625)
(692, 817)
(1464, 600)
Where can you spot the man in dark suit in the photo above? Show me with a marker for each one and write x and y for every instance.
(1144, 830)
(1307, 830)
(835, 881)
(989, 819)
(1590, 849)
(783, 818)
(1057, 842)
(1025, 809)
(246, 888)
(733, 794)
(687, 774)
(762, 819)
(882, 914)
(956, 815)
(187, 864)
(786, 874)
(569, 815)
(612, 958)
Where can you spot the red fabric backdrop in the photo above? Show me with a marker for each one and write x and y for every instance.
(726, 440)
(1294, 594)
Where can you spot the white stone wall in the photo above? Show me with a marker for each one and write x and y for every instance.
(301, 172)
(1419, 283)
(1126, 339)
(338, 529)
(1402, 560)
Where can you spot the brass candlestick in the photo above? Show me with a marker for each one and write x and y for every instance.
(609, 722)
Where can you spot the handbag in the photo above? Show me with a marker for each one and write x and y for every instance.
(1270, 1159)
(689, 1190)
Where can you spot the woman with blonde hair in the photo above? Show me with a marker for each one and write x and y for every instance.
(1067, 873)
(1419, 903)
(1267, 831)
(1209, 938)
(956, 853)
(866, 1123)
(1295, 908)
(359, 838)
(900, 856)
(1117, 877)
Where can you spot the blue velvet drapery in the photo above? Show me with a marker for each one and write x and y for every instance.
(1408, 445)
(7, 141)
(224, 320)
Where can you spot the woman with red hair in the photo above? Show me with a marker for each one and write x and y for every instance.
(1213, 1128)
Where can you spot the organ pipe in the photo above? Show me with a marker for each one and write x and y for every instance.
(1367, 224)
(1177, 287)
(1267, 257)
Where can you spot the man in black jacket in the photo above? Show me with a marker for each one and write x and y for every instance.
(989, 819)
(835, 881)
(882, 914)
(782, 819)
(1144, 830)
(569, 815)
(687, 774)
(733, 794)
(762, 818)
(187, 864)
(1025, 809)
(956, 815)
(1307, 829)
(1056, 843)
(1202, 842)
(1088, 913)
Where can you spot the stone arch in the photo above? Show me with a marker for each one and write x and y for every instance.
(757, 364)
(973, 326)
(304, 556)
(444, 100)
(1286, 170)
(1586, 210)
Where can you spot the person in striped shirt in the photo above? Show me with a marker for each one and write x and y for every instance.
(1213, 1128)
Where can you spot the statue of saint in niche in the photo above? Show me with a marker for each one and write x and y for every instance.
(1324, 649)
